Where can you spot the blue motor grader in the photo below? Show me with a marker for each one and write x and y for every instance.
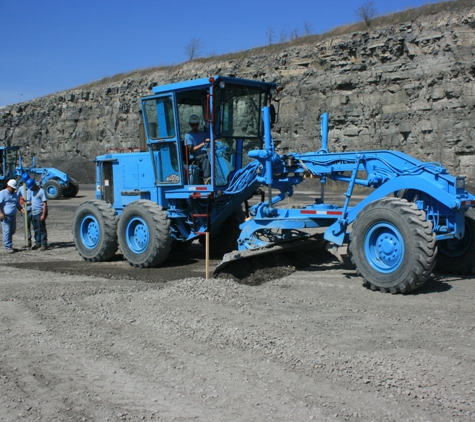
(417, 216)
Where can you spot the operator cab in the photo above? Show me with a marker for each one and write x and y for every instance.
(230, 113)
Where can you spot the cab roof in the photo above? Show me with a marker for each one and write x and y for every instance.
(207, 82)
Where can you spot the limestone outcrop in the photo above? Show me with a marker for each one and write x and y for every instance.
(409, 87)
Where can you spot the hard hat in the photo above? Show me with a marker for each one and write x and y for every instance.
(13, 184)
(30, 183)
(25, 177)
(194, 119)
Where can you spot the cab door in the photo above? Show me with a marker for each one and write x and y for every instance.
(162, 131)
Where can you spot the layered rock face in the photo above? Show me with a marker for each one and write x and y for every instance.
(408, 88)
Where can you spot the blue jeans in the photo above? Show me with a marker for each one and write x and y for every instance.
(9, 229)
(41, 236)
(203, 162)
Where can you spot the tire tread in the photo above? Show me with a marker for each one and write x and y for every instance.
(424, 242)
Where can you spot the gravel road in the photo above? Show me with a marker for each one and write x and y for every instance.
(107, 342)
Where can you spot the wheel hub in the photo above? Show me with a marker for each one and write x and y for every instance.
(384, 248)
(137, 235)
(140, 236)
(387, 247)
(90, 232)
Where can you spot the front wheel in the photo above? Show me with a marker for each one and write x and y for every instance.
(457, 256)
(392, 246)
(144, 234)
(53, 189)
(95, 231)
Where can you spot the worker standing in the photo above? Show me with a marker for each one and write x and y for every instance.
(39, 212)
(9, 204)
(25, 197)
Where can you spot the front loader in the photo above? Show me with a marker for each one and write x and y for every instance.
(152, 203)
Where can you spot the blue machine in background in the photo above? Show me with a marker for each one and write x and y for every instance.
(55, 182)
(416, 217)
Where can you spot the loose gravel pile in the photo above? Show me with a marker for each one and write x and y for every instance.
(313, 344)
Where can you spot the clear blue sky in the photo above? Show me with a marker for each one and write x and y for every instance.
(52, 45)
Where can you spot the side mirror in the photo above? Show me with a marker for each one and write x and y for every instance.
(209, 115)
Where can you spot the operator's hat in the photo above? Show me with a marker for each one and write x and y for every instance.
(194, 119)
(13, 184)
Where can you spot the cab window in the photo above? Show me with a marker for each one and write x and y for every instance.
(159, 118)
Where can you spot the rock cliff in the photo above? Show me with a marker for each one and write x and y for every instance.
(408, 87)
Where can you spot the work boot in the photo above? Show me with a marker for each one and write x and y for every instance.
(36, 247)
(42, 248)
(10, 251)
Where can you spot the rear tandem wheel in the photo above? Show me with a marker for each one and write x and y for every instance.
(392, 246)
(95, 231)
(144, 234)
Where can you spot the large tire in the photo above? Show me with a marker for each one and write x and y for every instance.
(95, 231)
(457, 256)
(53, 189)
(224, 239)
(71, 189)
(144, 234)
(392, 246)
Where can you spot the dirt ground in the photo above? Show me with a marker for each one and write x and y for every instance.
(300, 341)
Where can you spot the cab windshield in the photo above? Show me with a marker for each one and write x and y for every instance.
(238, 111)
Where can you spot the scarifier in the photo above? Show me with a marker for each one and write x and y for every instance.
(154, 201)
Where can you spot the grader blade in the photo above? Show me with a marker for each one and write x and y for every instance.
(296, 245)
